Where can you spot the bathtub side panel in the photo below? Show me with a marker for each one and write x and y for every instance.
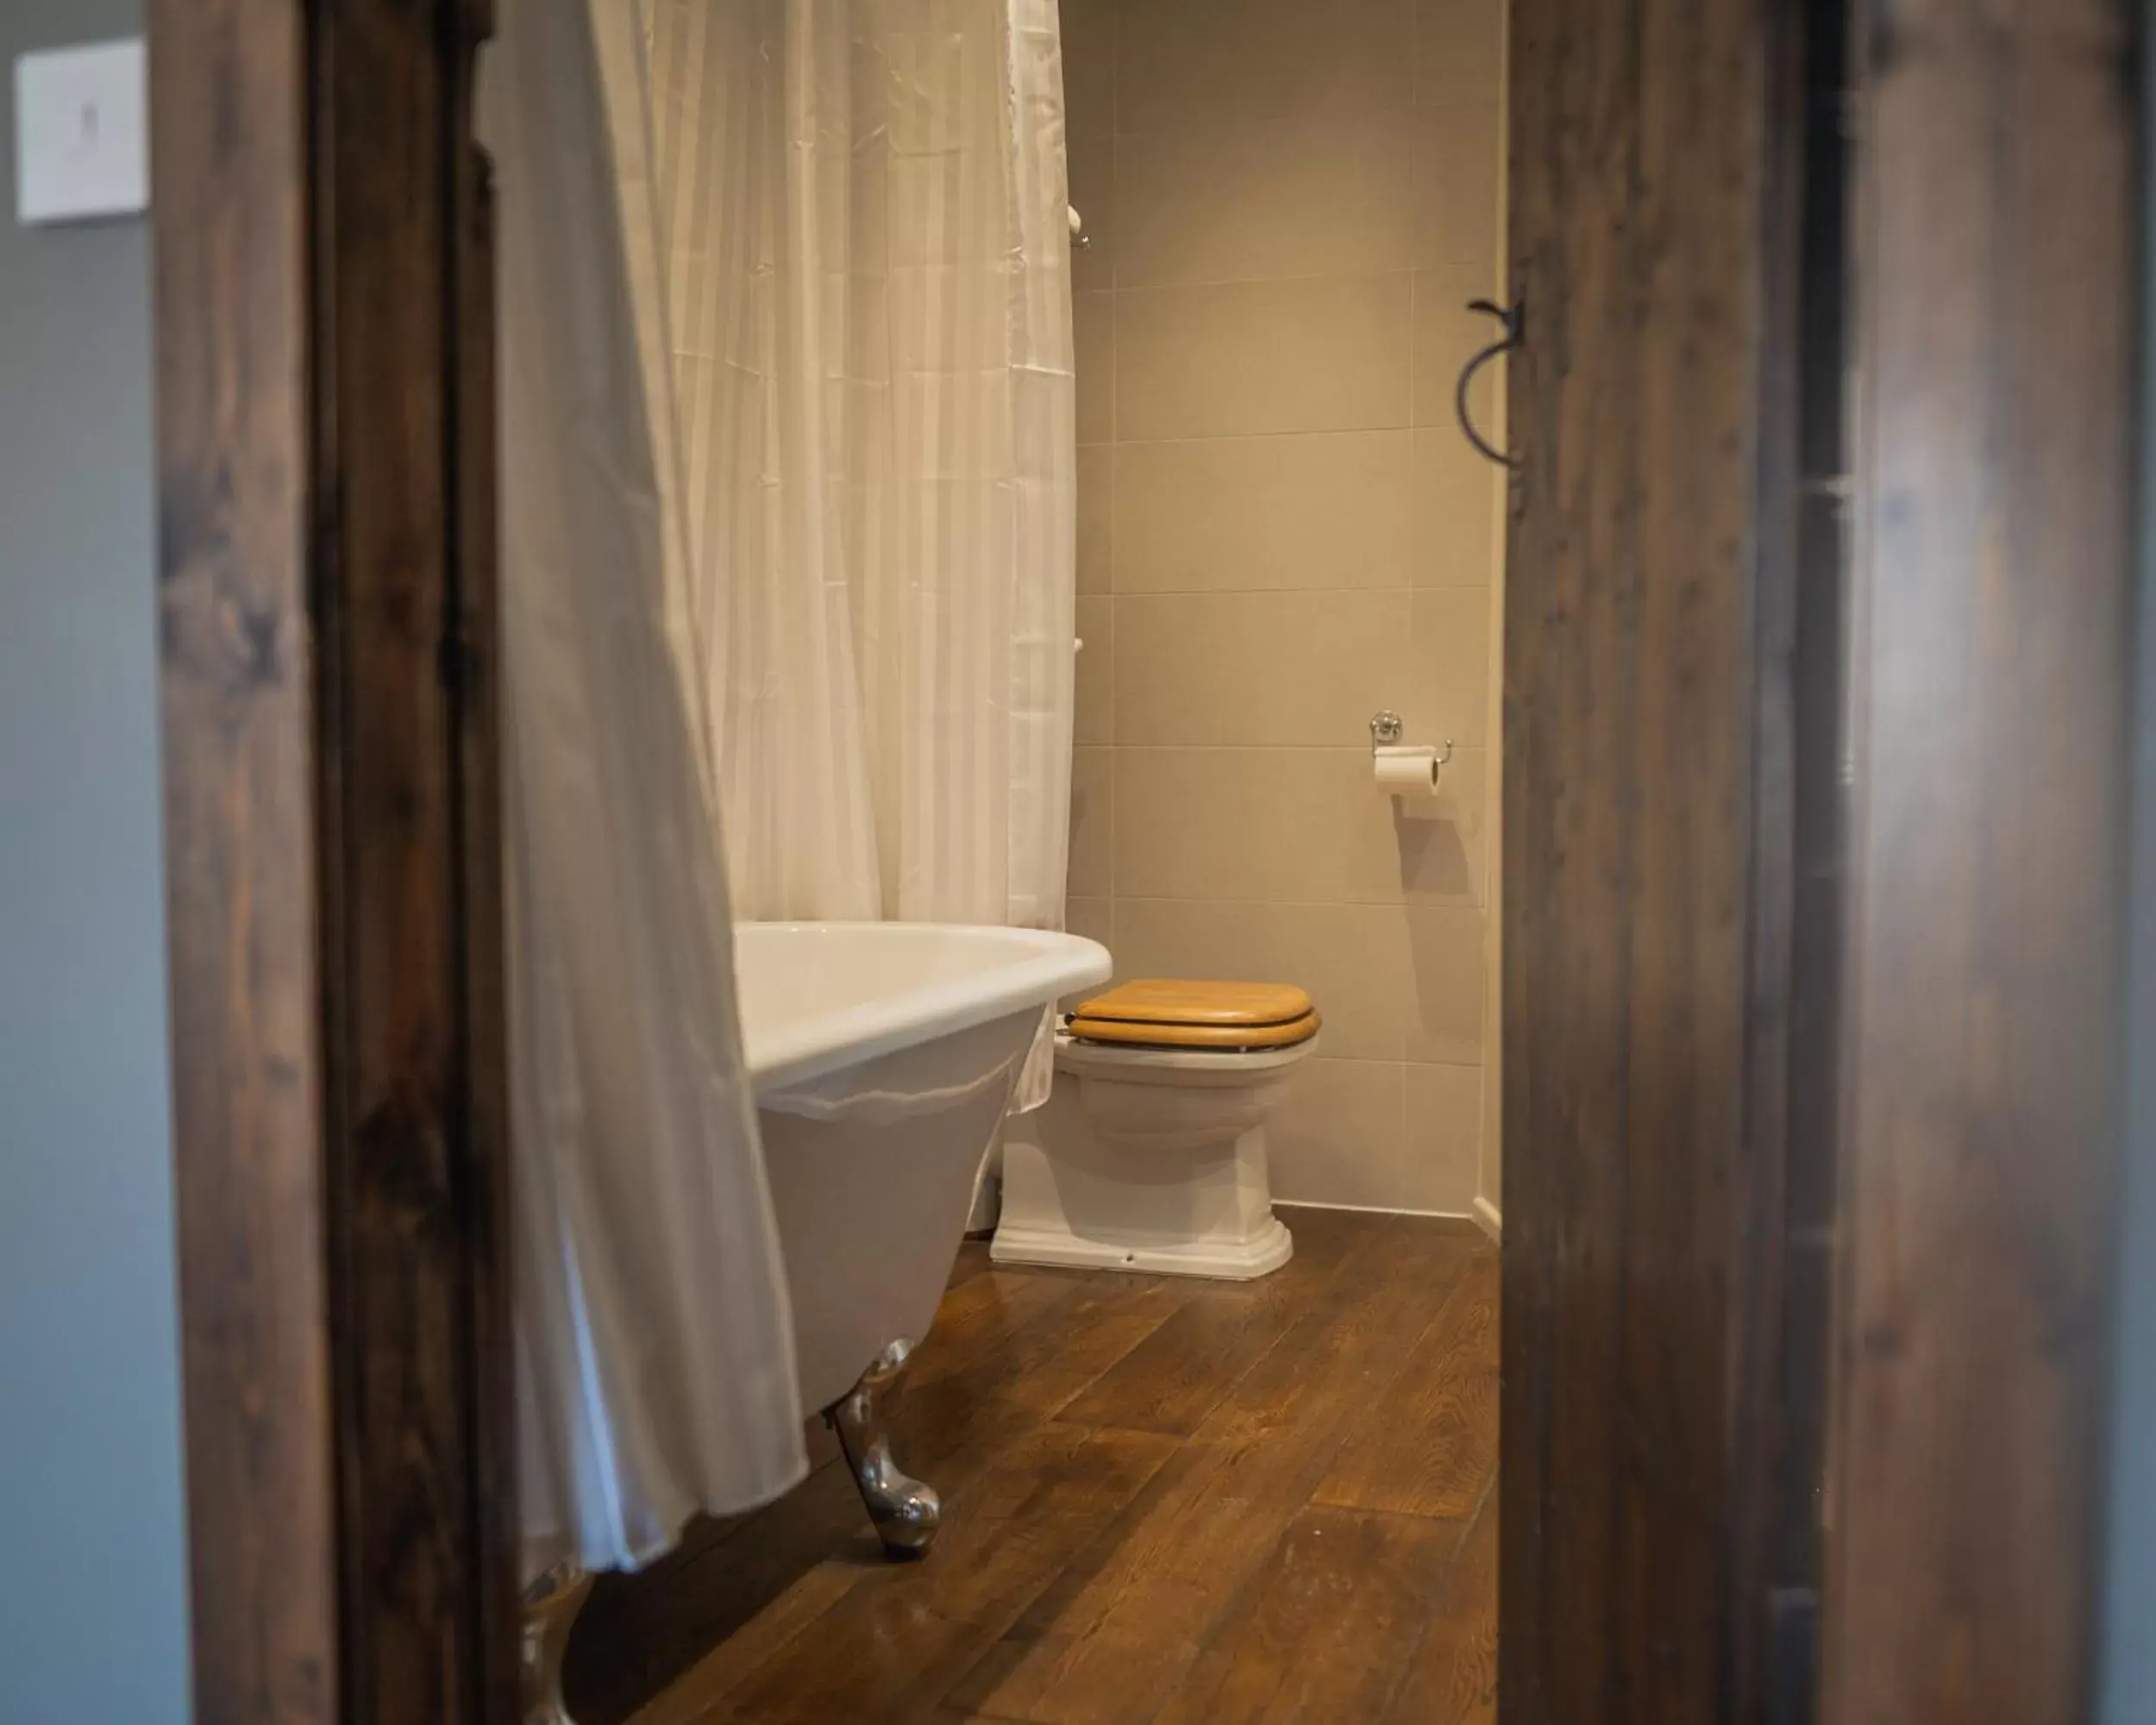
(873, 1194)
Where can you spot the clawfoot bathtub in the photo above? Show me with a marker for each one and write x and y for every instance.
(883, 1057)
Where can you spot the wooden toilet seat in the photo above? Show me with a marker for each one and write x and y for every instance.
(1226, 1016)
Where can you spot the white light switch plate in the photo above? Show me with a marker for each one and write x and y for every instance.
(82, 143)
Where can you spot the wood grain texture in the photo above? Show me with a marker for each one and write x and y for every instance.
(1453, 1679)
(1102, 1572)
(1429, 1448)
(1172, 1380)
(1042, 1499)
(235, 525)
(1011, 1347)
(484, 1198)
(1650, 742)
(326, 461)
(412, 952)
(1571, 577)
(1332, 1617)
(689, 1631)
(1784, 1385)
(1997, 251)
(1123, 1625)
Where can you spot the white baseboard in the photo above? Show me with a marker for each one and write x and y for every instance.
(1373, 1209)
(1488, 1219)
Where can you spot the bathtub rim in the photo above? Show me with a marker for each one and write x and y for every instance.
(1053, 965)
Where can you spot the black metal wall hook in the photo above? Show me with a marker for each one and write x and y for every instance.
(1514, 318)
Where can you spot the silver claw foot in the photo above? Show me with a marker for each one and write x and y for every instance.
(906, 1511)
(550, 1603)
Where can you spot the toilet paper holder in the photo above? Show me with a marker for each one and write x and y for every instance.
(1386, 728)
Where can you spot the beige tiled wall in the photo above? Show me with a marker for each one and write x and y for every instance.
(1283, 531)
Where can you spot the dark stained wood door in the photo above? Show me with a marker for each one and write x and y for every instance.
(1819, 613)
(1671, 694)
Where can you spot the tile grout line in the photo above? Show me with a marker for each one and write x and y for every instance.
(1400, 429)
(1414, 197)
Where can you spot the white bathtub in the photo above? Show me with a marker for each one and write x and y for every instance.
(883, 1055)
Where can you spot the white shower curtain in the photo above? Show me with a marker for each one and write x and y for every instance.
(787, 492)
(863, 210)
(654, 1348)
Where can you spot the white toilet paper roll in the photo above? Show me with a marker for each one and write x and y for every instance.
(1405, 770)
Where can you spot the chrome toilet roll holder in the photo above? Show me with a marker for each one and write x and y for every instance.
(1386, 728)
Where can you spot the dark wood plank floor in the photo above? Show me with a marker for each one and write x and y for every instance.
(1165, 1500)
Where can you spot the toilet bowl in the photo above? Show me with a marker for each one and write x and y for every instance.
(1150, 1155)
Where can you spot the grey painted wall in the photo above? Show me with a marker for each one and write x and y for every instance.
(93, 1589)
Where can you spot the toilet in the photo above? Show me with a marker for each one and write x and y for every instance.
(1150, 1155)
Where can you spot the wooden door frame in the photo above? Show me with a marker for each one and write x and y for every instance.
(328, 665)
(1994, 596)
(1816, 788)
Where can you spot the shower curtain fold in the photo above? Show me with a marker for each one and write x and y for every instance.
(654, 1348)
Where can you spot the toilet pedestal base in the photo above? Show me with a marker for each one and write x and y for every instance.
(1239, 1261)
(1078, 1199)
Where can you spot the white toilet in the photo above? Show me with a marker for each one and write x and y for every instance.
(1150, 1154)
